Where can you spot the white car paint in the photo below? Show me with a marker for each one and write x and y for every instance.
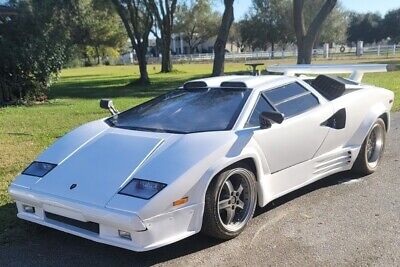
(101, 160)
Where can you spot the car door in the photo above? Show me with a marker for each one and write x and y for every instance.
(299, 136)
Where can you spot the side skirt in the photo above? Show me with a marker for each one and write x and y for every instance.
(273, 186)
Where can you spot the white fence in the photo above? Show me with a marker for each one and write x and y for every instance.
(236, 56)
(380, 50)
(338, 52)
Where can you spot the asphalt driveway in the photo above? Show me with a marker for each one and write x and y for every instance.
(341, 220)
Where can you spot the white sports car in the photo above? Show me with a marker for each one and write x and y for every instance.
(201, 158)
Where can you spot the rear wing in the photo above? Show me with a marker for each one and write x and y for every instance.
(356, 70)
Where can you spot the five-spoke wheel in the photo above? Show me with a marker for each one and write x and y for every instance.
(230, 203)
(372, 149)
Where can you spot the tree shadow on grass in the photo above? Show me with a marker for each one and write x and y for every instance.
(29, 244)
(96, 86)
(120, 86)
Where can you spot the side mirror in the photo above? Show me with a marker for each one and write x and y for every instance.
(268, 116)
(108, 104)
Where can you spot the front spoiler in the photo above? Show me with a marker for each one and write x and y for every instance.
(145, 234)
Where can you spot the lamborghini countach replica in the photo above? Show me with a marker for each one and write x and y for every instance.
(202, 157)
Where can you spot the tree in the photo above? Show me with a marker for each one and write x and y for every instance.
(334, 29)
(391, 24)
(273, 19)
(236, 37)
(307, 37)
(138, 22)
(164, 15)
(365, 27)
(222, 38)
(253, 33)
(33, 48)
(197, 22)
(96, 28)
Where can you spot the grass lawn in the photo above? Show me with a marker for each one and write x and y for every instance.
(26, 131)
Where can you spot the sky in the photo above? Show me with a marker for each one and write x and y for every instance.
(362, 6)
(381, 6)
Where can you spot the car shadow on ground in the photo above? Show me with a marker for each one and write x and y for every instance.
(332, 180)
(41, 246)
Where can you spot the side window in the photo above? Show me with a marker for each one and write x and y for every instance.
(291, 99)
(261, 106)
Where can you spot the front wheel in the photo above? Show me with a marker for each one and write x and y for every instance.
(230, 202)
(372, 149)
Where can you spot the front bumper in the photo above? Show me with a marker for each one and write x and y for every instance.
(144, 234)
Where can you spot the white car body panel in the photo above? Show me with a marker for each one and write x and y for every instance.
(101, 160)
(111, 171)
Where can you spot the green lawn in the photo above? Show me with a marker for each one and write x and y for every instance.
(26, 131)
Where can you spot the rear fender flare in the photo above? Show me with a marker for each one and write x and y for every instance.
(361, 133)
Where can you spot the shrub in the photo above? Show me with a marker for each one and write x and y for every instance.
(32, 50)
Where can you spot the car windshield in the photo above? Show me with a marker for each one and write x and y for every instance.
(185, 111)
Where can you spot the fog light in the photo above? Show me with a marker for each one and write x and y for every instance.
(28, 209)
(124, 235)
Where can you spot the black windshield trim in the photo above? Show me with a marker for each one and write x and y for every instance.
(158, 98)
(145, 129)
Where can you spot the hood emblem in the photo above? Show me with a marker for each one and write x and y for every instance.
(72, 186)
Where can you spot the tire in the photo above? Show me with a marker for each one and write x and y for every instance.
(371, 150)
(230, 203)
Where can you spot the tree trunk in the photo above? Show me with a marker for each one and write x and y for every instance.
(138, 30)
(272, 50)
(166, 64)
(164, 11)
(97, 55)
(305, 48)
(306, 39)
(142, 61)
(222, 38)
(4, 93)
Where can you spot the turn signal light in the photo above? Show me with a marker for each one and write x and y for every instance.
(180, 201)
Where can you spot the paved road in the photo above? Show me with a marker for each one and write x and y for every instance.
(341, 220)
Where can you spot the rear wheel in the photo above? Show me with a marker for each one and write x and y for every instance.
(372, 149)
(230, 203)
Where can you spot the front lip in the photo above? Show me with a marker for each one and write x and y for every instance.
(85, 211)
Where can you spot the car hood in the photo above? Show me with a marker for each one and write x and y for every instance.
(94, 168)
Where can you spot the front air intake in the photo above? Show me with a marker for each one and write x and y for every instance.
(88, 226)
(233, 85)
(195, 84)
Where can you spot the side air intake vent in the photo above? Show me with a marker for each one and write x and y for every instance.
(234, 84)
(329, 87)
(196, 84)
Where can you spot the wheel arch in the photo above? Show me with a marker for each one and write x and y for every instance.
(248, 160)
(377, 111)
(386, 119)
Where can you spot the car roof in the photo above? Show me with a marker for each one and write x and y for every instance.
(253, 82)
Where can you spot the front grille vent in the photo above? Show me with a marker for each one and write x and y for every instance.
(88, 226)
